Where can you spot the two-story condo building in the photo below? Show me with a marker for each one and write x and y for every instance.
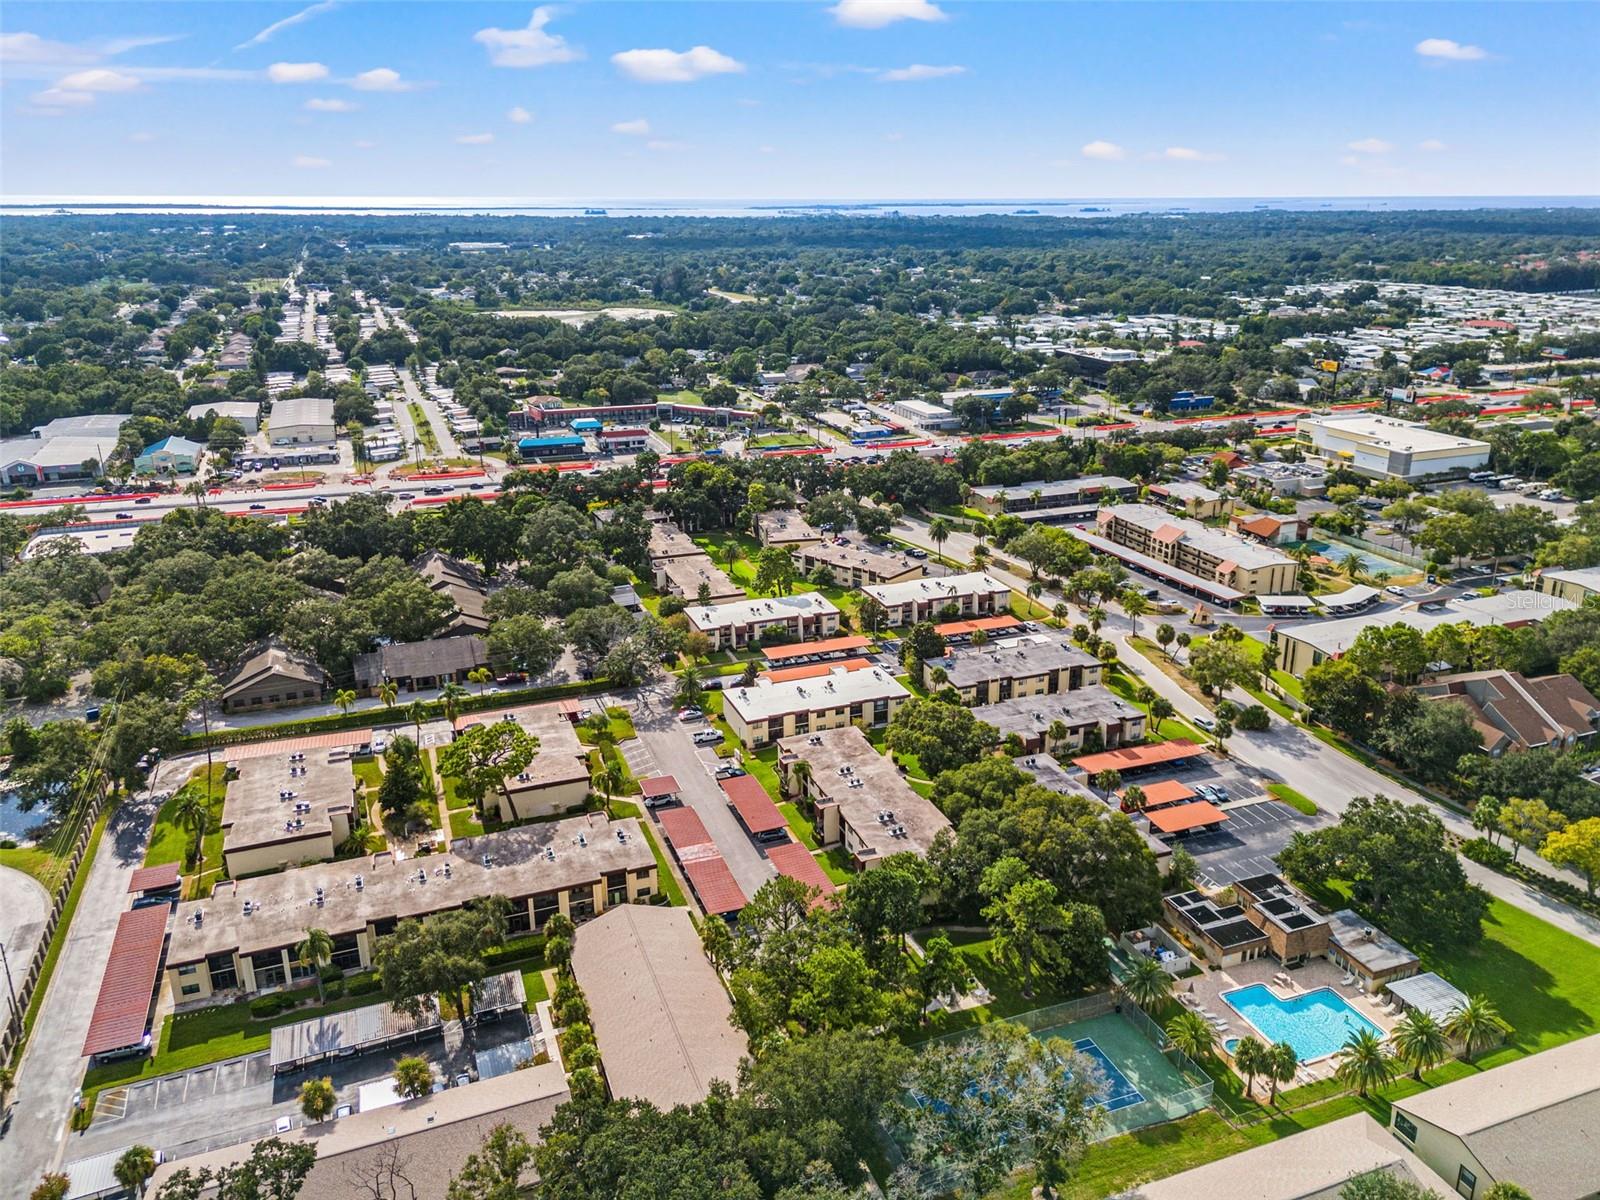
(805, 617)
(949, 596)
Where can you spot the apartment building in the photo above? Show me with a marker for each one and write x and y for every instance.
(1090, 719)
(284, 810)
(947, 597)
(1059, 499)
(556, 781)
(855, 564)
(1512, 712)
(241, 939)
(767, 711)
(856, 797)
(1193, 500)
(805, 617)
(784, 527)
(1576, 586)
(1211, 555)
(694, 577)
(1035, 664)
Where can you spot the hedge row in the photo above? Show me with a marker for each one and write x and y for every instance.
(1498, 858)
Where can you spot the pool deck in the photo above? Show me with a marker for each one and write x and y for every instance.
(1205, 992)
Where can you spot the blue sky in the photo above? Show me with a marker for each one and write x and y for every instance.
(828, 99)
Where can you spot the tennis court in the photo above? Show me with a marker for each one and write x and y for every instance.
(1119, 1092)
(1144, 1084)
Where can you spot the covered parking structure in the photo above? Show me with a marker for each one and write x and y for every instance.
(1287, 606)
(1184, 581)
(795, 861)
(345, 1034)
(1428, 993)
(1352, 599)
(799, 653)
(658, 789)
(1129, 760)
(121, 1021)
(757, 812)
(1185, 818)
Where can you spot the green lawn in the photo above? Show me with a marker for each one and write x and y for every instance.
(368, 773)
(1004, 985)
(464, 823)
(424, 427)
(799, 827)
(669, 883)
(836, 863)
(170, 841)
(1294, 799)
(42, 862)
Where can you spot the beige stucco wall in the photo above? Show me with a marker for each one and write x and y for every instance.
(543, 801)
(253, 859)
(1445, 1153)
(830, 718)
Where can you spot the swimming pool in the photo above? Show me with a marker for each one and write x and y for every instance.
(1315, 1023)
(1337, 552)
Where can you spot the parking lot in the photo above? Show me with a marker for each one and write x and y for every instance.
(1209, 770)
(1248, 844)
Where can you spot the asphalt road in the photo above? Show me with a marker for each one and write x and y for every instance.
(665, 748)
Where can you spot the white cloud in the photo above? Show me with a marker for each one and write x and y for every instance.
(1451, 51)
(894, 135)
(766, 149)
(310, 162)
(875, 14)
(675, 66)
(518, 115)
(1104, 151)
(918, 72)
(31, 48)
(99, 79)
(1432, 146)
(1189, 154)
(1370, 145)
(52, 102)
(288, 72)
(381, 79)
(475, 139)
(530, 46)
(636, 128)
(277, 27)
(330, 104)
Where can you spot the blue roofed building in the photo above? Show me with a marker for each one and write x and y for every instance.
(564, 445)
(169, 456)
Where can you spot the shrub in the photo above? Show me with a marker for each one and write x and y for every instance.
(1486, 853)
(363, 985)
(574, 1036)
(1253, 718)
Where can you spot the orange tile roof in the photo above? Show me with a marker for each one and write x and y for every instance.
(719, 892)
(837, 645)
(755, 808)
(987, 624)
(1181, 817)
(129, 982)
(683, 828)
(812, 670)
(795, 861)
(1131, 757)
(1166, 791)
(658, 785)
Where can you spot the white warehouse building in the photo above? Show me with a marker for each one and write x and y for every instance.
(1387, 448)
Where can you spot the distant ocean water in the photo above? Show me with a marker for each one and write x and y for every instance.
(1084, 207)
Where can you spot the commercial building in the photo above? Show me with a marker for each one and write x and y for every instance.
(662, 1019)
(1576, 586)
(767, 711)
(920, 414)
(856, 797)
(1306, 644)
(1191, 499)
(246, 412)
(1283, 479)
(1061, 500)
(1387, 448)
(1512, 712)
(784, 527)
(306, 420)
(39, 461)
(169, 456)
(855, 564)
(622, 441)
(1313, 1165)
(462, 584)
(1092, 718)
(285, 810)
(945, 598)
(560, 445)
(1529, 1122)
(94, 426)
(241, 939)
(556, 781)
(551, 413)
(803, 617)
(425, 1142)
(273, 676)
(1034, 664)
(1208, 554)
(1368, 953)
(418, 666)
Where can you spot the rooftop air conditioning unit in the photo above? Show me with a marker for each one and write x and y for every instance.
(361, 882)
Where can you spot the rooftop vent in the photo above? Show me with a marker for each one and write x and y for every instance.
(361, 882)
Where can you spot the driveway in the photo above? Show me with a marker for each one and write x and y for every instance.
(664, 747)
(24, 907)
(1249, 843)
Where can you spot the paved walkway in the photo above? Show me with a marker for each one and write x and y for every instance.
(24, 907)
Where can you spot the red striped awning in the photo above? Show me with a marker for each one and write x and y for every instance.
(719, 892)
(795, 861)
(122, 1011)
(755, 808)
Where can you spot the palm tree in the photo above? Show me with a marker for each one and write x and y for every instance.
(198, 490)
(1097, 618)
(801, 773)
(344, 700)
(1133, 797)
(1160, 710)
(1135, 605)
(314, 952)
(1364, 1063)
(938, 533)
(1061, 612)
(1191, 1033)
(1419, 1041)
(1280, 1065)
(1474, 1025)
(388, 693)
(1146, 983)
(417, 713)
(1250, 1058)
(192, 810)
(1057, 733)
(480, 676)
(450, 698)
(134, 1168)
(1107, 781)
(980, 557)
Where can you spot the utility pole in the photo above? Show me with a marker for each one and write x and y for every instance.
(10, 989)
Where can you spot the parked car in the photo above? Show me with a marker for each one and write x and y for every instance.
(1394, 589)
(380, 744)
(913, 552)
(707, 737)
(1205, 723)
(142, 500)
(690, 714)
(730, 772)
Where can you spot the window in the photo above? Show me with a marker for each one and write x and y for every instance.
(188, 970)
(190, 989)
(1405, 1126)
(1466, 1182)
(223, 975)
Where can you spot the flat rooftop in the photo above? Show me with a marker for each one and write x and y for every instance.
(1030, 717)
(1017, 657)
(873, 798)
(1163, 526)
(1404, 436)
(284, 798)
(685, 574)
(1365, 943)
(784, 526)
(945, 587)
(1503, 608)
(839, 689)
(516, 863)
(668, 541)
(764, 610)
(1182, 489)
(1048, 489)
(562, 758)
(1143, 563)
(856, 556)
